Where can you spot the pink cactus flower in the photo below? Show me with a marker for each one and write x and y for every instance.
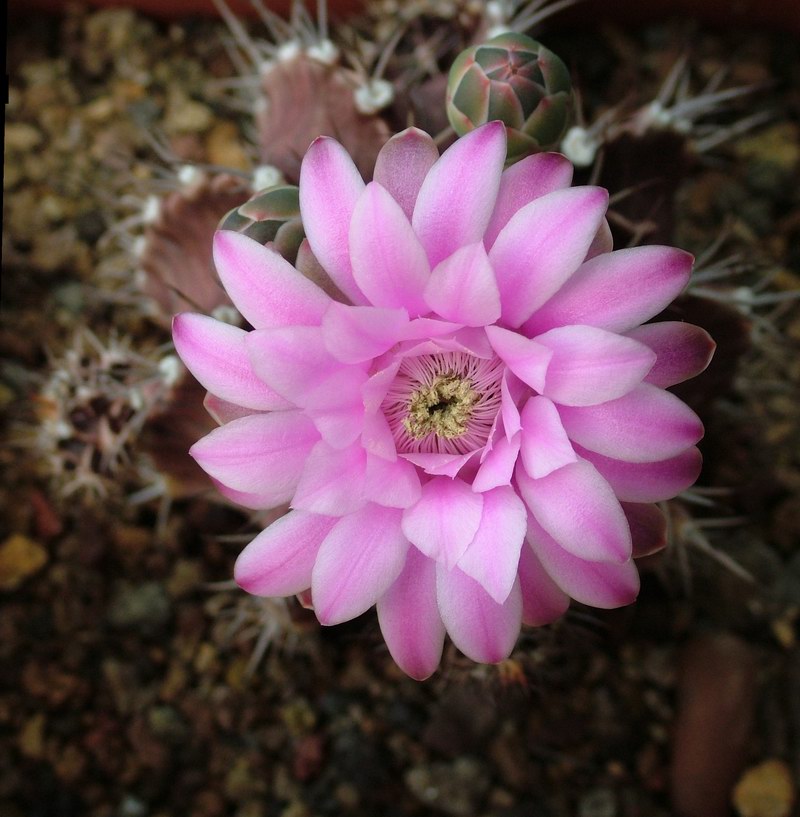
(476, 430)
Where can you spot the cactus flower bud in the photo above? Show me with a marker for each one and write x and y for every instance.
(517, 80)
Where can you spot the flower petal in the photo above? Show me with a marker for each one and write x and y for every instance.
(493, 555)
(278, 562)
(215, 353)
(332, 482)
(591, 366)
(602, 242)
(543, 601)
(682, 350)
(648, 528)
(392, 484)
(462, 288)
(389, 263)
(526, 358)
(542, 245)
(481, 628)
(354, 334)
(409, 617)
(520, 184)
(577, 507)
(445, 520)
(261, 454)
(648, 481)
(645, 425)
(497, 467)
(458, 195)
(357, 563)
(330, 185)
(599, 584)
(222, 411)
(545, 446)
(264, 287)
(402, 164)
(617, 291)
(447, 465)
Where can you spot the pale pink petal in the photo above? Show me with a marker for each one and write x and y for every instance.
(603, 241)
(462, 287)
(376, 436)
(222, 411)
(336, 406)
(332, 482)
(645, 425)
(543, 601)
(445, 520)
(648, 481)
(544, 446)
(591, 365)
(392, 484)
(247, 499)
(447, 465)
(599, 584)
(542, 245)
(402, 164)
(424, 328)
(261, 454)
(264, 287)
(577, 507)
(648, 528)
(493, 555)
(278, 562)
(409, 617)
(356, 333)
(526, 358)
(215, 353)
(520, 184)
(292, 360)
(330, 186)
(481, 628)
(374, 390)
(357, 563)
(389, 263)
(497, 467)
(682, 350)
(617, 291)
(512, 390)
(458, 195)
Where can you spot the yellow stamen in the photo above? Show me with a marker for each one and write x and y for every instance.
(443, 408)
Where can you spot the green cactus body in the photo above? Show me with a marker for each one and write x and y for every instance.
(517, 80)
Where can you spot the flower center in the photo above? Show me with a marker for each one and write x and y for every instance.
(443, 403)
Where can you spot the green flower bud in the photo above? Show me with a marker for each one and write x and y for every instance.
(270, 215)
(517, 80)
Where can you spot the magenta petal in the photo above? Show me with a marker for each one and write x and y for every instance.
(648, 528)
(392, 484)
(648, 481)
(458, 195)
(617, 291)
(357, 563)
(332, 482)
(542, 245)
(493, 555)
(261, 454)
(603, 241)
(409, 617)
(263, 286)
(682, 350)
(520, 184)
(329, 188)
(545, 446)
(356, 333)
(389, 263)
(462, 288)
(292, 359)
(599, 584)
(278, 562)
(526, 358)
(402, 164)
(577, 507)
(497, 467)
(215, 353)
(543, 601)
(645, 425)
(445, 520)
(591, 366)
(481, 628)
